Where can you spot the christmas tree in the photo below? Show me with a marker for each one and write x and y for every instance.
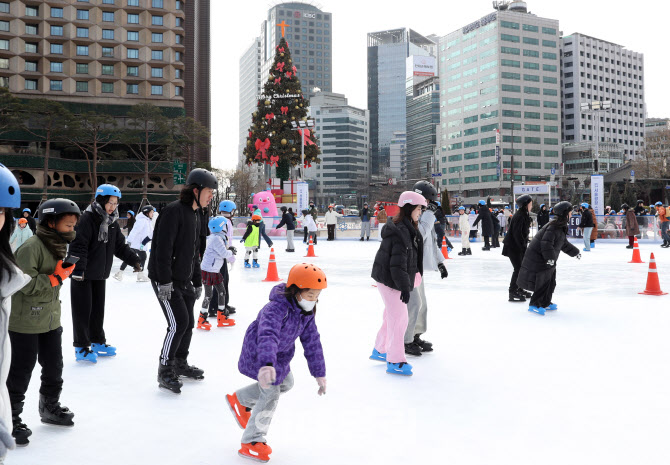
(272, 139)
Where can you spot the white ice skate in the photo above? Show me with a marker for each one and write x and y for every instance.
(118, 275)
(141, 278)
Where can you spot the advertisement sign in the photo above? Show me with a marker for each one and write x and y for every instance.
(598, 194)
(421, 66)
(573, 226)
(498, 153)
(303, 196)
(533, 189)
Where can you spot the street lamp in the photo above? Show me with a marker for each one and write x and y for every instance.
(301, 125)
(595, 108)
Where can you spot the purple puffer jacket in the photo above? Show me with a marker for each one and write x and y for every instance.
(271, 339)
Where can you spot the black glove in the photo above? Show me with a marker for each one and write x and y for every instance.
(432, 206)
(404, 296)
(443, 270)
(233, 250)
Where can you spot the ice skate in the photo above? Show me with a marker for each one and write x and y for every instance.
(246, 264)
(524, 293)
(230, 309)
(141, 278)
(212, 313)
(84, 354)
(103, 350)
(20, 430)
(425, 345)
(203, 323)
(516, 296)
(168, 379)
(469, 251)
(413, 349)
(552, 307)
(485, 248)
(118, 275)
(223, 320)
(256, 265)
(463, 252)
(630, 246)
(586, 250)
(402, 368)
(534, 309)
(593, 245)
(242, 413)
(376, 355)
(182, 368)
(53, 413)
(258, 451)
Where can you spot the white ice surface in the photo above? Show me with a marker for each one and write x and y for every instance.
(588, 384)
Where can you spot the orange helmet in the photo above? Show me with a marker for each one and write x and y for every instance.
(307, 276)
(23, 221)
(256, 217)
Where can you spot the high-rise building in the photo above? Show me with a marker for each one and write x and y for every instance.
(423, 118)
(387, 60)
(197, 93)
(250, 87)
(500, 72)
(594, 70)
(398, 156)
(344, 137)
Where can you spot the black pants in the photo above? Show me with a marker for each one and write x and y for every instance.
(88, 311)
(306, 233)
(516, 263)
(545, 283)
(486, 241)
(214, 303)
(267, 240)
(178, 312)
(45, 348)
(331, 232)
(439, 231)
(140, 253)
(495, 237)
(473, 234)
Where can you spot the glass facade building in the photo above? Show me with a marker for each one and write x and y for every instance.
(423, 117)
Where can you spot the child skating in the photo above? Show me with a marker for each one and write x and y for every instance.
(464, 226)
(269, 347)
(252, 241)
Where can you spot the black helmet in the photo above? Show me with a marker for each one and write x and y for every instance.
(562, 208)
(624, 206)
(426, 189)
(524, 200)
(640, 201)
(202, 178)
(50, 210)
(147, 208)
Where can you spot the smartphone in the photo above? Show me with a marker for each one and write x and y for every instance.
(70, 260)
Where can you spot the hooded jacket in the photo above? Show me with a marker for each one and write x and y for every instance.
(216, 252)
(464, 223)
(286, 219)
(141, 233)
(542, 217)
(432, 255)
(270, 339)
(516, 240)
(331, 217)
(400, 256)
(19, 236)
(586, 220)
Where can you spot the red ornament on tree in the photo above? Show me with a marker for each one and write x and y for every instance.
(270, 116)
(284, 111)
(280, 67)
(262, 147)
(278, 80)
(289, 74)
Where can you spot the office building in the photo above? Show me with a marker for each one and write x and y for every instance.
(398, 156)
(423, 118)
(250, 87)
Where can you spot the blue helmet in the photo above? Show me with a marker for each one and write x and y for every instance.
(227, 206)
(131, 212)
(541, 205)
(26, 210)
(506, 207)
(461, 208)
(659, 204)
(107, 189)
(217, 224)
(482, 202)
(439, 204)
(10, 193)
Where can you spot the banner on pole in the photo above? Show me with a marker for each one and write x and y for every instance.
(598, 194)
(303, 196)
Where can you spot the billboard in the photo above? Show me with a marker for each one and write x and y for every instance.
(421, 66)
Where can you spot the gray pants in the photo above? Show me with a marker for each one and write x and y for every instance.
(209, 292)
(365, 229)
(587, 238)
(289, 239)
(664, 231)
(417, 310)
(262, 403)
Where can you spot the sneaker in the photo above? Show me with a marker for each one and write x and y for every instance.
(534, 309)
(103, 350)
(258, 451)
(242, 413)
(376, 355)
(402, 368)
(118, 275)
(84, 354)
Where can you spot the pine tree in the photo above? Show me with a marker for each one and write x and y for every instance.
(614, 200)
(629, 195)
(271, 139)
(446, 203)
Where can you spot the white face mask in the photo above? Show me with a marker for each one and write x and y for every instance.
(307, 305)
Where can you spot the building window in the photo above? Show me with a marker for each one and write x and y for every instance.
(31, 28)
(178, 74)
(156, 3)
(4, 45)
(179, 39)
(82, 15)
(529, 65)
(133, 2)
(107, 51)
(528, 27)
(4, 7)
(509, 38)
(56, 67)
(531, 53)
(32, 11)
(82, 86)
(108, 16)
(133, 70)
(31, 66)
(512, 63)
(179, 22)
(157, 72)
(178, 91)
(56, 30)
(108, 70)
(4, 26)
(549, 43)
(157, 20)
(180, 6)
(133, 19)
(31, 84)
(108, 2)
(56, 85)
(509, 25)
(157, 54)
(548, 30)
(56, 49)
(548, 56)
(549, 68)
(82, 50)
(510, 50)
(133, 36)
(177, 56)
(133, 53)
(55, 12)
(531, 41)
(107, 87)
(82, 68)
(132, 89)
(82, 32)
(156, 90)
(108, 34)
(156, 37)
(31, 47)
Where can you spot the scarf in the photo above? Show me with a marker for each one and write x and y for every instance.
(54, 241)
(106, 219)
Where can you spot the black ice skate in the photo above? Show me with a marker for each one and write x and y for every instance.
(182, 368)
(527, 294)
(168, 379)
(425, 345)
(20, 430)
(230, 309)
(469, 251)
(53, 413)
(413, 349)
(516, 296)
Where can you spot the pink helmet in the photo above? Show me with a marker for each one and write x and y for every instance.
(412, 198)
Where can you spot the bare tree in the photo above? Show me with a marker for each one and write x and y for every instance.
(186, 136)
(9, 108)
(654, 158)
(243, 183)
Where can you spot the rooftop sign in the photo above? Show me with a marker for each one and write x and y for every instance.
(480, 22)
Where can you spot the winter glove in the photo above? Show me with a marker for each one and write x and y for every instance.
(443, 270)
(232, 259)
(267, 376)
(322, 385)
(7, 441)
(60, 274)
(432, 206)
(551, 262)
(579, 256)
(233, 250)
(165, 291)
(198, 292)
(404, 296)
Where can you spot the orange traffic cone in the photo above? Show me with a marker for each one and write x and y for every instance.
(653, 285)
(272, 268)
(636, 253)
(445, 252)
(310, 249)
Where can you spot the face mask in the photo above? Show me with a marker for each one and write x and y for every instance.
(307, 305)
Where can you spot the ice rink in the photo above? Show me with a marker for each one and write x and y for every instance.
(588, 384)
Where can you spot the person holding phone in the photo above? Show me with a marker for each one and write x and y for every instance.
(99, 239)
(35, 329)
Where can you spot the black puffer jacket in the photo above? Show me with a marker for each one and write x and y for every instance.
(516, 239)
(176, 245)
(586, 220)
(542, 218)
(400, 256)
(486, 219)
(546, 245)
(286, 219)
(96, 257)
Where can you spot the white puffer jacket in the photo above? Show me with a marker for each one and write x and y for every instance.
(464, 223)
(143, 228)
(216, 252)
(331, 217)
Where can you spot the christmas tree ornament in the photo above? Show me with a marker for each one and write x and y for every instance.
(284, 142)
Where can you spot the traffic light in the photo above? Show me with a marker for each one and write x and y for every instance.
(595, 166)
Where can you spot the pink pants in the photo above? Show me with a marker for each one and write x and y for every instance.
(391, 336)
